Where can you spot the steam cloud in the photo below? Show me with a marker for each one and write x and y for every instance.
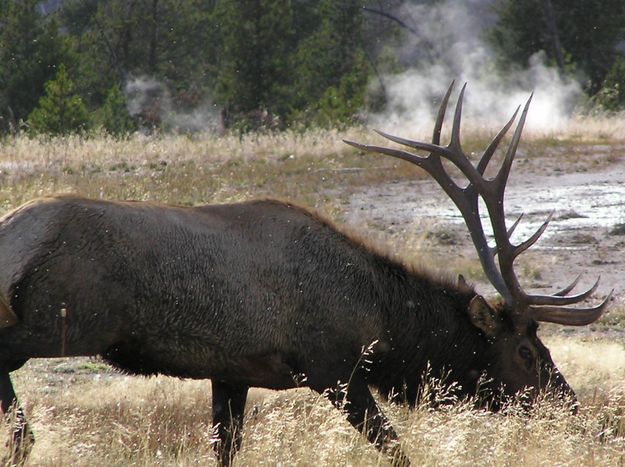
(151, 102)
(449, 46)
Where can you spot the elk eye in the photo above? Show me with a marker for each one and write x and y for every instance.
(526, 354)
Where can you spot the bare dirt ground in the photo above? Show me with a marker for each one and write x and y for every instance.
(586, 235)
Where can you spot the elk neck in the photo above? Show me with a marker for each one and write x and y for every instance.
(427, 329)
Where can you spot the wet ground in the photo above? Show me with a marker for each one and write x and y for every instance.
(586, 235)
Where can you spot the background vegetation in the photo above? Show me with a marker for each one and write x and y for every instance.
(268, 64)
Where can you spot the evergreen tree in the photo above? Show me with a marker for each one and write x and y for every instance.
(30, 50)
(170, 41)
(343, 102)
(255, 69)
(584, 33)
(332, 72)
(114, 114)
(611, 96)
(60, 111)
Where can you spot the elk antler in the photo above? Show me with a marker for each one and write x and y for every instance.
(552, 308)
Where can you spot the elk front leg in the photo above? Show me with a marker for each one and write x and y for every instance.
(228, 407)
(365, 415)
(22, 438)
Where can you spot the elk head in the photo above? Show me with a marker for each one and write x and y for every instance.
(514, 357)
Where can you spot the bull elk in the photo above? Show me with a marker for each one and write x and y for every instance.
(256, 294)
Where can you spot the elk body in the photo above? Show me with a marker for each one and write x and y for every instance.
(257, 294)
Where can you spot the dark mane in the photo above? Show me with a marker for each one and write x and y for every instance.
(386, 256)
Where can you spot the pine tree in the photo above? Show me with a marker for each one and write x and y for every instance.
(332, 71)
(255, 67)
(584, 33)
(114, 114)
(170, 41)
(30, 49)
(60, 111)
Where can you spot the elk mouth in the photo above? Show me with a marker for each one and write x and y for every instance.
(499, 398)
(524, 402)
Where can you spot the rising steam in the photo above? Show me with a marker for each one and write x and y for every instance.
(449, 45)
(150, 102)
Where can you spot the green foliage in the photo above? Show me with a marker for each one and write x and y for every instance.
(30, 48)
(60, 111)
(255, 70)
(169, 40)
(342, 103)
(114, 116)
(611, 96)
(587, 30)
(332, 72)
(287, 62)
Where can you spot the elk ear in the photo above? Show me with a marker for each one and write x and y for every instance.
(483, 316)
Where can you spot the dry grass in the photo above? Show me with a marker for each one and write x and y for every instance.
(83, 414)
(188, 170)
(207, 167)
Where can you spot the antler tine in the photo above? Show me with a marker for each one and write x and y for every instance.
(454, 155)
(540, 300)
(514, 226)
(490, 150)
(430, 164)
(407, 156)
(568, 288)
(455, 129)
(504, 171)
(570, 316)
(534, 238)
(438, 126)
(432, 148)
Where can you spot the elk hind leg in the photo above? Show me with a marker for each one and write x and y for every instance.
(22, 439)
(228, 410)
